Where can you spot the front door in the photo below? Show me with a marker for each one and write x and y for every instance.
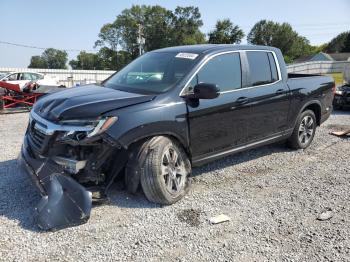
(220, 123)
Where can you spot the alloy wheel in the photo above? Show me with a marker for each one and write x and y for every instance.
(306, 130)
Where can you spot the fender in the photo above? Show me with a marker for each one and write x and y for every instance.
(156, 129)
(311, 102)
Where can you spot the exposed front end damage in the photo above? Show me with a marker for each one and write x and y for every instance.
(67, 162)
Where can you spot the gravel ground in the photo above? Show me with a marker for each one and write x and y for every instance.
(273, 196)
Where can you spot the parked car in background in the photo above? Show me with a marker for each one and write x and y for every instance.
(342, 97)
(22, 78)
(167, 111)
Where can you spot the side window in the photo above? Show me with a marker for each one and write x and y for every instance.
(274, 74)
(260, 72)
(222, 70)
(36, 76)
(26, 76)
(12, 77)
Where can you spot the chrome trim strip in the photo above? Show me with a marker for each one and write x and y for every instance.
(238, 148)
(49, 128)
(183, 93)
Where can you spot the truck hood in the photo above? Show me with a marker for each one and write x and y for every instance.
(85, 102)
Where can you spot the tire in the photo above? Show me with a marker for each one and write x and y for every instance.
(163, 168)
(304, 131)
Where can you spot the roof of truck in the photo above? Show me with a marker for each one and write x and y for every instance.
(199, 49)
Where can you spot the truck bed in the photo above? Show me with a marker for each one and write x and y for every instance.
(297, 75)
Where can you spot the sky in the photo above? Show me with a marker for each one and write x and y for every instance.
(75, 24)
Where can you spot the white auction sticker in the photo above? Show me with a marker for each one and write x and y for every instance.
(187, 55)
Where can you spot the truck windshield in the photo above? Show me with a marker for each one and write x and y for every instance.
(152, 73)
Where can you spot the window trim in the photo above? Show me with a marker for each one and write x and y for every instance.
(184, 93)
(241, 71)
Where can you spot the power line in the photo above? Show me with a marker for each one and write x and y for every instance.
(42, 48)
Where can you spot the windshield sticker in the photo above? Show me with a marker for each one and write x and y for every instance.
(187, 56)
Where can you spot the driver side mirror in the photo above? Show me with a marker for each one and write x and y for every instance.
(205, 91)
(5, 79)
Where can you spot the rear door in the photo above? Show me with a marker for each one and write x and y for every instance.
(218, 124)
(269, 96)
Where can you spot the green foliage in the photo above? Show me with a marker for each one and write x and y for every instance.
(51, 58)
(160, 28)
(87, 61)
(281, 36)
(339, 44)
(225, 32)
(37, 62)
(113, 60)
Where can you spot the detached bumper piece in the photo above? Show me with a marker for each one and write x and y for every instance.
(66, 204)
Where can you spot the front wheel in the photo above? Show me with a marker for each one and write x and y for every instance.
(304, 131)
(165, 170)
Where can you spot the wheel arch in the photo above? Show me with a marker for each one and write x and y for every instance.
(314, 106)
(151, 137)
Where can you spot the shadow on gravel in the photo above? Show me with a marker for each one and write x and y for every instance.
(18, 196)
(119, 197)
(241, 157)
(344, 111)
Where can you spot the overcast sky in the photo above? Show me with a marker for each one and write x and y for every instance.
(74, 24)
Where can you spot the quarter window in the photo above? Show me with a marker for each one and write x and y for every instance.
(262, 68)
(222, 70)
(274, 74)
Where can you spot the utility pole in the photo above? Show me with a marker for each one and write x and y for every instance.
(140, 40)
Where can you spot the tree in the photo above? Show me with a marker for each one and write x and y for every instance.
(108, 57)
(86, 61)
(37, 62)
(339, 44)
(225, 32)
(281, 36)
(186, 22)
(160, 28)
(51, 58)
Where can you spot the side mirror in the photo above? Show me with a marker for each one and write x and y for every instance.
(5, 79)
(205, 91)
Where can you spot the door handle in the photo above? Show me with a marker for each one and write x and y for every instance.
(279, 91)
(242, 100)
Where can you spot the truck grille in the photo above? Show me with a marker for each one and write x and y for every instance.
(38, 140)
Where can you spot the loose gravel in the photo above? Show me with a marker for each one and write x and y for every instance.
(273, 196)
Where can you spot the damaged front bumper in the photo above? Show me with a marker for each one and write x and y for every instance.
(64, 201)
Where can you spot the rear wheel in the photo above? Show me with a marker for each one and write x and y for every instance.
(165, 170)
(304, 130)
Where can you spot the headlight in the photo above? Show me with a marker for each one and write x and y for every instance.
(82, 128)
(339, 92)
(103, 125)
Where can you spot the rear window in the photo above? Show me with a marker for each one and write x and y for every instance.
(262, 68)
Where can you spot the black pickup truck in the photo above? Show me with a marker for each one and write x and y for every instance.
(167, 111)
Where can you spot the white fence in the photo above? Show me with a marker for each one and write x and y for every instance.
(320, 67)
(67, 77)
(74, 77)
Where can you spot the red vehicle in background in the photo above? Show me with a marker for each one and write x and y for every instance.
(13, 96)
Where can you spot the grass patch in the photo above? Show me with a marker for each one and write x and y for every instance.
(338, 78)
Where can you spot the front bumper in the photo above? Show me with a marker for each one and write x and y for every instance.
(64, 201)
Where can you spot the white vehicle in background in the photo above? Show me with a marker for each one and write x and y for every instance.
(22, 78)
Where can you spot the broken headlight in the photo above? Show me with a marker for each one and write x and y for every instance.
(86, 128)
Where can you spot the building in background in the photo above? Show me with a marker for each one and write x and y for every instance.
(324, 57)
